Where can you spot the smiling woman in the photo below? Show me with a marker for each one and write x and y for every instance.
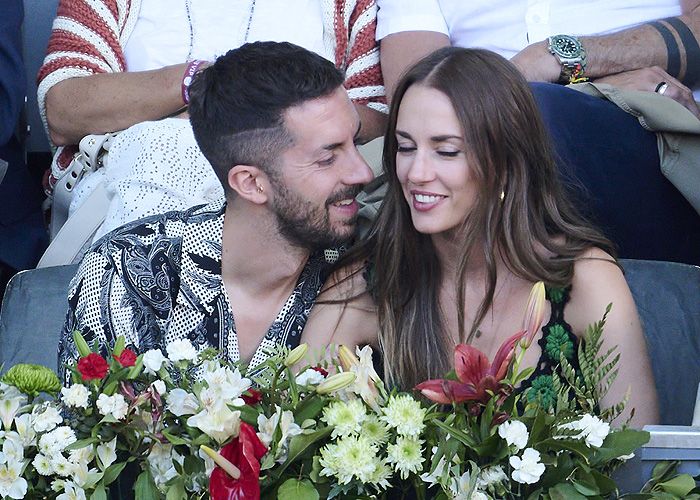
(473, 216)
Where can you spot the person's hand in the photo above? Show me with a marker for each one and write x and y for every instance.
(651, 79)
(537, 63)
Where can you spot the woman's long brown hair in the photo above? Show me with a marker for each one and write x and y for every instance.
(508, 148)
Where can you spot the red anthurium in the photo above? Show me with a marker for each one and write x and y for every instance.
(126, 358)
(477, 377)
(92, 367)
(320, 370)
(245, 453)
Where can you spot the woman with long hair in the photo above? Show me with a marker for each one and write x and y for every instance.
(473, 216)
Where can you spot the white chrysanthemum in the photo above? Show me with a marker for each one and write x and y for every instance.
(406, 455)
(180, 402)
(527, 469)
(490, 476)
(86, 454)
(515, 433)
(153, 361)
(12, 484)
(115, 406)
(404, 414)
(46, 418)
(61, 465)
(375, 430)
(76, 396)
(592, 429)
(351, 457)
(381, 475)
(346, 418)
(309, 377)
(56, 441)
(42, 464)
(181, 350)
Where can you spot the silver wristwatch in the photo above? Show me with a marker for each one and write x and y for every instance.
(571, 55)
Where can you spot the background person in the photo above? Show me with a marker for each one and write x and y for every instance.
(635, 44)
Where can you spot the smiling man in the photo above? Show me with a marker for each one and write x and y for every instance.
(240, 275)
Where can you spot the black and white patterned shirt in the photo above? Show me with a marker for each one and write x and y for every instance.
(159, 279)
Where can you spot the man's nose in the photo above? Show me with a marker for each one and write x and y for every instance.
(358, 171)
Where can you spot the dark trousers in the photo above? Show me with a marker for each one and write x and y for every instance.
(611, 165)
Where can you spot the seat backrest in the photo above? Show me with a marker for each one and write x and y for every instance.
(32, 315)
(667, 295)
(38, 18)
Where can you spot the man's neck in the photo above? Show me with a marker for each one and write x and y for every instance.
(254, 256)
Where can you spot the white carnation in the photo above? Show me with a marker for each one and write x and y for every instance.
(159, 386)
(76, 396)
(115, 406)
(153, 361)
(527, 469)
(181, 350)
(515, 433)
(46, 418)
(310, 377)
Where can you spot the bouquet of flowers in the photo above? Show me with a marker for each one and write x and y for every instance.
(187, 425)
(494, 441)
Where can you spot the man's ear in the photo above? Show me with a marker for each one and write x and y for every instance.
(250, 183)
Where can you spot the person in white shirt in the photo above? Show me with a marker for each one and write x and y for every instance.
(646, 45)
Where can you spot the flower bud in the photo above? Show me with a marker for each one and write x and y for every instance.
(335, 382)
(119, 346)
(347, 358)
(222, 462)
(80, 344)
(296, 355)
(534, 314)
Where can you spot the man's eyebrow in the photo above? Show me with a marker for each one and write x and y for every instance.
(336, 145)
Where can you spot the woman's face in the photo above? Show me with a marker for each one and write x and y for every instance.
(431, 161)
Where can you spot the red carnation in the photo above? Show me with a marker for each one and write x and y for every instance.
(320, 370)
(92, 367)
(126, 358)
(252, 397)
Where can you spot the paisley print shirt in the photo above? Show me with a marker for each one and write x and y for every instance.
(159, 279)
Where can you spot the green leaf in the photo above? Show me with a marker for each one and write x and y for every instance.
(299, 444)
(565, 491)
(82, 443)
(463, 437)
(135, 370)
(249, 414)
(172, 438)
(112, 472)
(619, 443)
(585, 484)
(176, 490)
(100, 493)
(679, 486)
(310, 408)
(193, 464)
(605, 484)
(294, 489)
(119, 345)
(145, 487)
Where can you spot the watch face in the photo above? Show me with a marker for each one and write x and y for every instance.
(566, 46)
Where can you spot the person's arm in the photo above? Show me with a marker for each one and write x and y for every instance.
(598, 282)
(12, 78)
(637, 58)
(109, 102)
(400, 50)
(344, 314)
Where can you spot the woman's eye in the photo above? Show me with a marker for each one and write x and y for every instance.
(449, 154)
(327, 162)
(405, 149)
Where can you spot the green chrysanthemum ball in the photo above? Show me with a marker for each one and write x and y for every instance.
(542, 391)
(558, 341)
(32, 379)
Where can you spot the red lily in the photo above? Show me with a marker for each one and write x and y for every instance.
(245, 453)
(478, 379)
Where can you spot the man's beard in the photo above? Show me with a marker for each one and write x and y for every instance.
(308, 226)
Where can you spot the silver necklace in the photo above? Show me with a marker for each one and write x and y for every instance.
(188, 10)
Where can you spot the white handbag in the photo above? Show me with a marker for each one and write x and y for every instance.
(70, 235)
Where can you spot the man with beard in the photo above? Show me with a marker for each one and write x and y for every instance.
(242, 274)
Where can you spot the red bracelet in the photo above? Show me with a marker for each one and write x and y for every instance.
(190, 71)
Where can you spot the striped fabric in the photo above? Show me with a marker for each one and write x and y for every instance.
(88, 37)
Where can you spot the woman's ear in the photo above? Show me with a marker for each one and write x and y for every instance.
(250, 183)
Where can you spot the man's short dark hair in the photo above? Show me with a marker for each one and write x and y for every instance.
(237, 104)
